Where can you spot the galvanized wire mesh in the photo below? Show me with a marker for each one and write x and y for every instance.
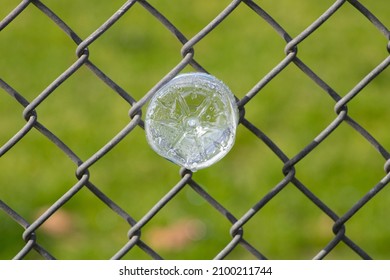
(83, 167)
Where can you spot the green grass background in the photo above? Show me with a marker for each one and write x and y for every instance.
(136, 53)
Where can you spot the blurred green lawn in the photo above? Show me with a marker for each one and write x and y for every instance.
(136, 53)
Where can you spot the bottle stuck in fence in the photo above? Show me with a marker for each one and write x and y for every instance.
(192, 120)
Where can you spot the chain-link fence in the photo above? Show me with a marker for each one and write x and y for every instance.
(305, 178)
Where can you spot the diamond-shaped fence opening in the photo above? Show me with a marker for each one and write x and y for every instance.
(307, 177)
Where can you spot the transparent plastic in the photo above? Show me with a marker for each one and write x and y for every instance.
(192, 120)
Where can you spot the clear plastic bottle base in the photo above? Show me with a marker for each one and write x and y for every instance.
(192, 120)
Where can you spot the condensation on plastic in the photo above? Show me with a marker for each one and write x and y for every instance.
(192, 120)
